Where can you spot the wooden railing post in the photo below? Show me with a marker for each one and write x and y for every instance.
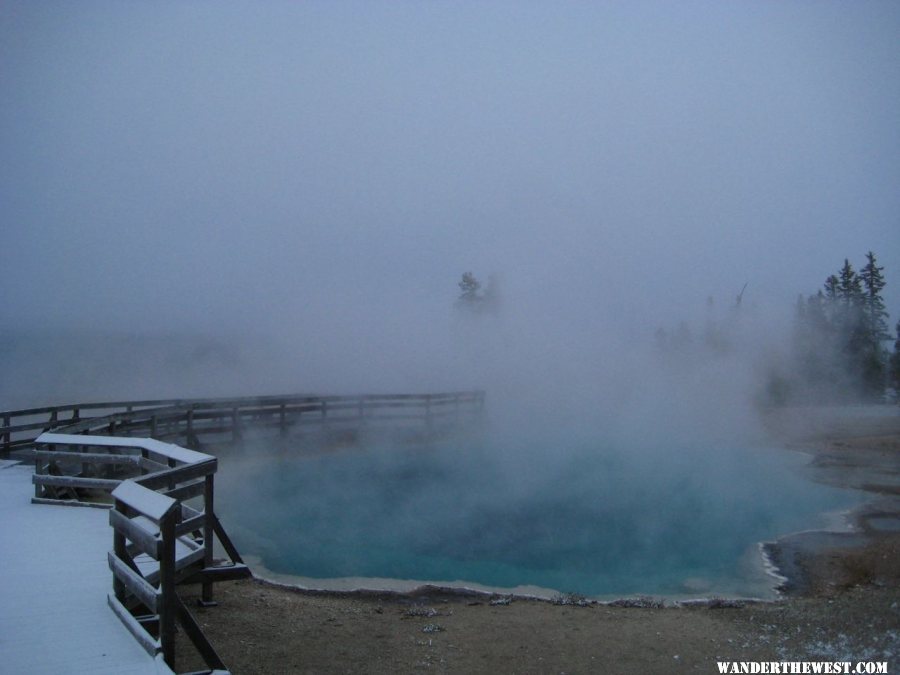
(167, 601)
(40, 470)
(208, 524)
(121, 551)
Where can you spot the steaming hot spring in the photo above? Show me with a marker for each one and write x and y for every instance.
(541, 513)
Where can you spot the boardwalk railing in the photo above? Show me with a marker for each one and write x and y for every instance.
(187, 420)
(159, 538)
(163, 517)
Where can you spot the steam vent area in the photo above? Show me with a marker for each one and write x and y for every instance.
(146, 473)
(401, 532)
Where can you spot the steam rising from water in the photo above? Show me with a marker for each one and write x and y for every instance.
(284, 204)
(565, 514)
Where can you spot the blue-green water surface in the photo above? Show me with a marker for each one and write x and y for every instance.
(583, 518)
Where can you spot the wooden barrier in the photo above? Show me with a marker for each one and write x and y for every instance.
(159, 540)
(187, 420)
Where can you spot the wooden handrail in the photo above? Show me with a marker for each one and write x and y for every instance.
(149, 515)
(148, 520)
(185, 418)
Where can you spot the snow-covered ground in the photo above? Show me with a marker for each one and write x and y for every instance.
(54, 580)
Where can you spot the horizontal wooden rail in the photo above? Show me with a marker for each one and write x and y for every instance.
(159, 541)
(186, 420)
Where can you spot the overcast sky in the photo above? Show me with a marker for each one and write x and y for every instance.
(277, 166)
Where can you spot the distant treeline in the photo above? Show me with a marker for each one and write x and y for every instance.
(838, 352)
(841, 336)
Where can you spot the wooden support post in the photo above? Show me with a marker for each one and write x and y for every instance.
(86, 466)
(206, 597)
(167, 605)
(39, 470)
(171, 483)
(120, 550)
(282, 423)
(428, 411)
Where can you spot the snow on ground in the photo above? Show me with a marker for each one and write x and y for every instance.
(54, 579)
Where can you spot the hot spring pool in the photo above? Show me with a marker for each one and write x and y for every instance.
(584, 518)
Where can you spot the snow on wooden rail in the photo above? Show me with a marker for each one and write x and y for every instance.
(186, 419)
(88, 466)
(159, 540)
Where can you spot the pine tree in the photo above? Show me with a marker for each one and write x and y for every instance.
(471, 298)
(849, 325)
(469, 287)
(871, 330)
(831, 288)
(873, 305)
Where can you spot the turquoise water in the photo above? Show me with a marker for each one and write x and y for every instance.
(583, 518)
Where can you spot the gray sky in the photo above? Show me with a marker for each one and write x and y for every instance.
(310, 167)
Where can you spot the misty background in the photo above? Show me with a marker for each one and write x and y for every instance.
(201, 199)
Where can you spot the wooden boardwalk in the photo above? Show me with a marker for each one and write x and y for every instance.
(54, 579)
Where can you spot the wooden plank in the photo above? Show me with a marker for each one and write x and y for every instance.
(193, 489)
(175, 452)
(143, 500)
(195, 633)
(168, 450)
(134, 582)
(149, 465)
(145, 539)
(85, 439)
(208, 534)
(221, 573)
(225, 540)
(179, 474)
(75, 482)
(190, 525)
(168, 599)
(148, 642)
(69, 502)
(94, 457)
(28, 426)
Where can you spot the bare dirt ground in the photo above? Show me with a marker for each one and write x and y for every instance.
(842, 602)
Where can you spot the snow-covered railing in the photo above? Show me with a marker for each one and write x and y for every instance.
(20, 427)
(161, 535)
(187, 420)
(73, 468)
